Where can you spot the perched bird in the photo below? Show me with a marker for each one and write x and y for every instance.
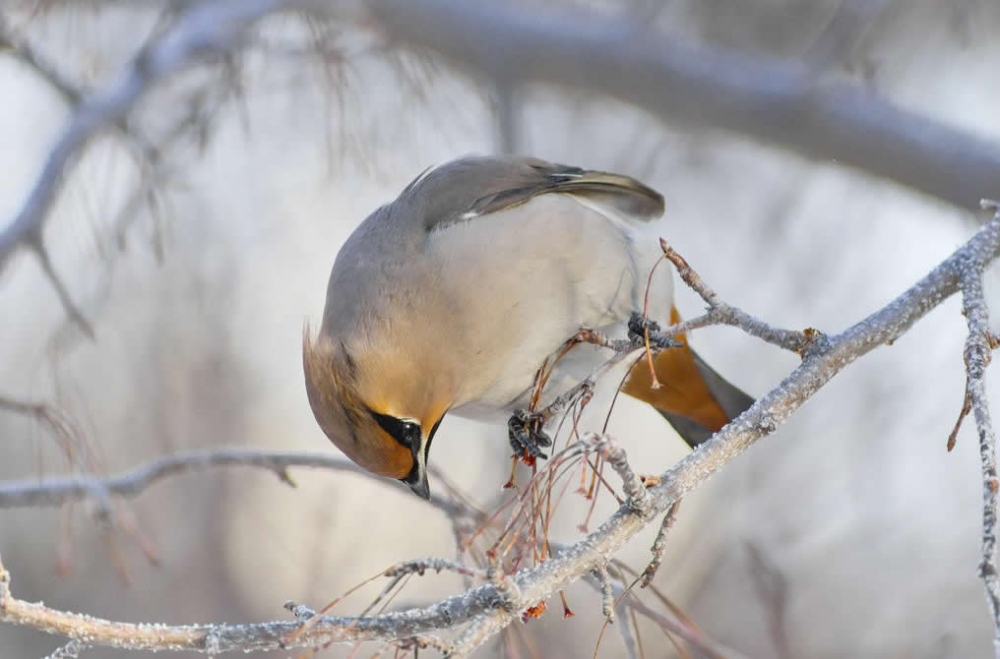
(450, 298)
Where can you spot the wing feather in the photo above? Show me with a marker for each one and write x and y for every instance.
(471, 188)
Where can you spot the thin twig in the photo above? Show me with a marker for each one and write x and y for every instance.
(419, 567)
(659, 547)
(720, 313)
(632, 483)
(64, 431)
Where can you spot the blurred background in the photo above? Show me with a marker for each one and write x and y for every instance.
(196, 236)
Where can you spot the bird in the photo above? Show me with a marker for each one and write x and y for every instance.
(449, 299)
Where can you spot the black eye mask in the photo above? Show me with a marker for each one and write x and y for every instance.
(406, 433)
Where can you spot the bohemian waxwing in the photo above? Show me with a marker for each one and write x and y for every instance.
(450, 298)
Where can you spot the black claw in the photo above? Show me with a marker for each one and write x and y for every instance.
(637, 326)
(526, 435)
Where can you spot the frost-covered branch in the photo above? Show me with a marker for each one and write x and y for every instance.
(979, 347)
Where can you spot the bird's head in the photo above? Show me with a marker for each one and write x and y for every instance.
(378, 419)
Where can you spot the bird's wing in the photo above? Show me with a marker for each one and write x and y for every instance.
(475, 187)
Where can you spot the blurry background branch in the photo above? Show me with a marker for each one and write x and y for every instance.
(204, 29)
(59, 491)
(800, 107)
(786, 104)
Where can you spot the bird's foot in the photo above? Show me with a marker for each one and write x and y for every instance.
(638, 324)
(527, 436)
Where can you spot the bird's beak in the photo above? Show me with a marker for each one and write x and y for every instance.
(417, 480)
(419, 485)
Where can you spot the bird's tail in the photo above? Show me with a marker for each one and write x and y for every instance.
(695, 399)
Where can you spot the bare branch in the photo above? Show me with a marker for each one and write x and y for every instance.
(720, 313)
(57, 491)
(75, 315)
(979, 346)
(634, 488)
(781, 103)
(67, 436)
